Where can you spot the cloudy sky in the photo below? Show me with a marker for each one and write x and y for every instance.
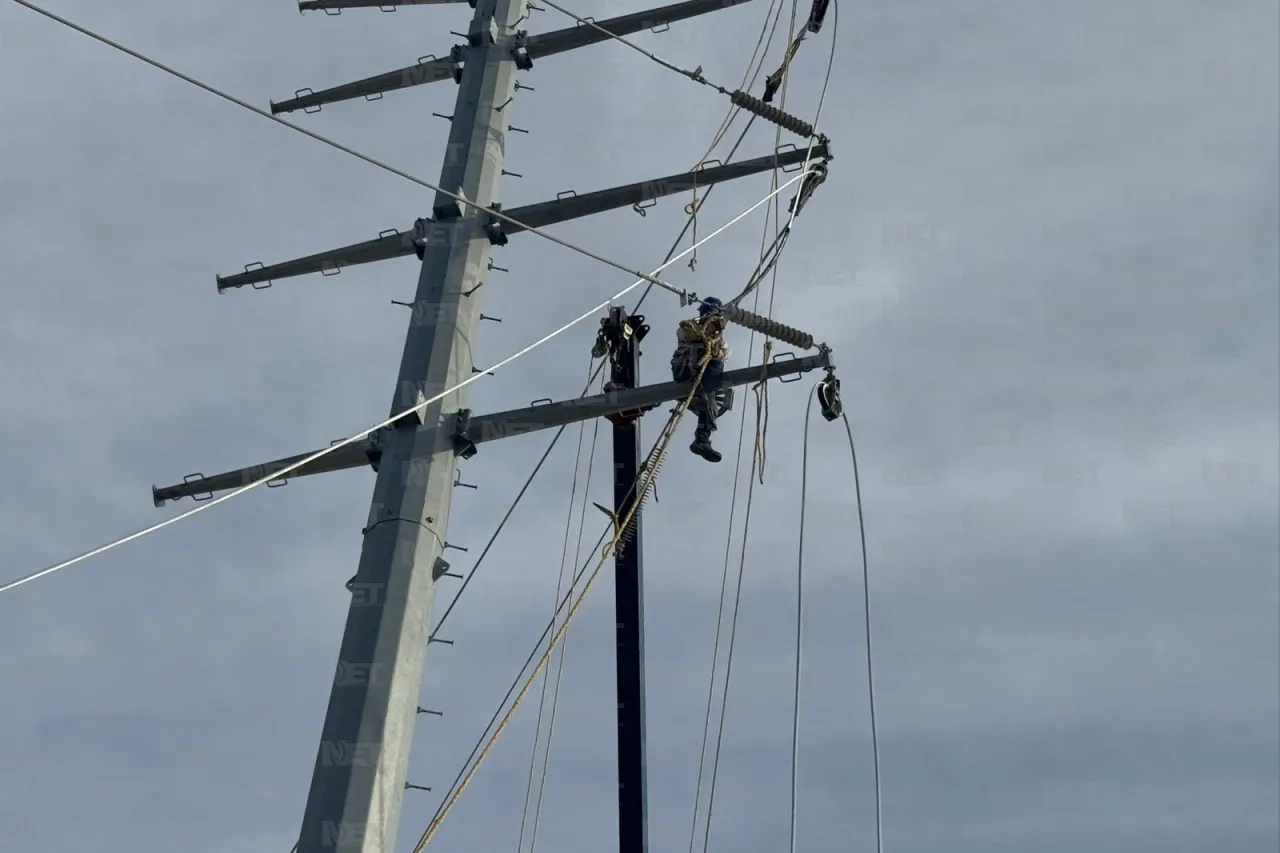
(1046, 259)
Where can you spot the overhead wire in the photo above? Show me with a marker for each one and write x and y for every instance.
(758, 457)
(737, 600)
(560, 578)
(621, 530)
(695, 75)
(277, 474)
(866, 621)
(497, 214)
(749, 79)
(555, 696)
(795, 693)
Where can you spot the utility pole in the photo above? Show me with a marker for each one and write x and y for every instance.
(359, 778)
(620, 337)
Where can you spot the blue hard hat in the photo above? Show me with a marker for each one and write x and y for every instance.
(708, 305)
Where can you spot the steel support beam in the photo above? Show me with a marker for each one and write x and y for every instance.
(384, 5)
(628, 564)
(398, 244)
(198, 486)
(524, 49)
(577, 206)
(358, 781)
(428, 69)
(482, 428)
(581, 35)
(536, 418)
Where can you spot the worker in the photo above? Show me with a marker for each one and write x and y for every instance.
(694, 338)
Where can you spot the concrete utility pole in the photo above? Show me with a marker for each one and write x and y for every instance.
(359, 778)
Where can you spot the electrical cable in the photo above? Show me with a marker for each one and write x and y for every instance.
(748, 81)
(795, 695)
(555, 695)
(277, 474)
(737, 602)
(506, 516)
(866, 613)
(695, 76)
(621, 528)
(715, 653)
(497, 214)
(560, 578)
(759, 457)
(732, 112)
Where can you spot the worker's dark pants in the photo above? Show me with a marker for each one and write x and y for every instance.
(703, 403)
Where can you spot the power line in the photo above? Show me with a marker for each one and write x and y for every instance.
(695, 76)
(275, 475)
(345, 149)
(866, 613)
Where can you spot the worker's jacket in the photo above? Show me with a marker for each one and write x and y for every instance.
(692, 338)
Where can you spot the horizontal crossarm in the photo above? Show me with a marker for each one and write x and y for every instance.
(576, 206)
(534, 418)
(470, 431)
(200, 487)
(397, 244)
(428, 69)
(526, 49)
(390, 244)
(387, 5)
(581, 35)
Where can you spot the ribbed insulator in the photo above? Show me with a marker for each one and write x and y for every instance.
(767, 327)
(772, 113)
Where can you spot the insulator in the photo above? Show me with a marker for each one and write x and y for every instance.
(765, 326)
(771, 113)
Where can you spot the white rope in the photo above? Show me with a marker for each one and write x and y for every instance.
(275, 475)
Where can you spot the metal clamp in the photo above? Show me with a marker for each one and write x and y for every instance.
(789, 146)
(253, 267)
(787, 355)
(314, 108)
(203, 496)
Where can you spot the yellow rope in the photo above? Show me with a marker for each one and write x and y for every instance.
(621, 528)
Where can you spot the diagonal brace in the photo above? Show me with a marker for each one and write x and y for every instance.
(470, 431)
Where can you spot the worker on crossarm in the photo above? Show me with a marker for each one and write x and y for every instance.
(694, 339)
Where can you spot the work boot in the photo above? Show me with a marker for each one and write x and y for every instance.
(703, 448)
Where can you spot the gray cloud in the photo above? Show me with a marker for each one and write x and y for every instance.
(1046, 258)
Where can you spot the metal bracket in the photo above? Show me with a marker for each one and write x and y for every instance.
(250, 267)
(308, 91)
(789, 146)
(493, 228)
(787, 355)
(462, 443)
(203, 496)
